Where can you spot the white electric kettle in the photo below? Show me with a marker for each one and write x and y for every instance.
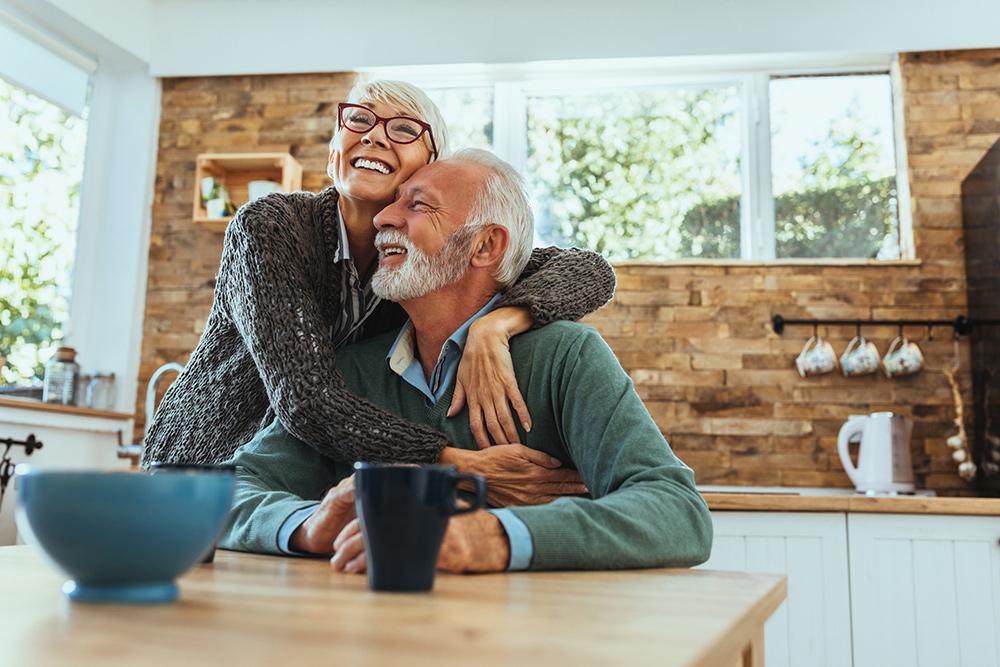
(884, 457)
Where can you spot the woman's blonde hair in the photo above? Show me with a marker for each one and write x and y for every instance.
(407, 99)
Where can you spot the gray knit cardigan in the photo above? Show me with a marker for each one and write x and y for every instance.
(267, 351)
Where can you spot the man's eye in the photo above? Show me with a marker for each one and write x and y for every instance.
(419, 204)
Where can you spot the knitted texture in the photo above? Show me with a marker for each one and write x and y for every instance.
(266, 350)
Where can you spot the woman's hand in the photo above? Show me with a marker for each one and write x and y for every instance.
(486, 379)
(516, 475)
(317, 533)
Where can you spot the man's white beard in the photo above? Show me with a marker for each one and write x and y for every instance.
(420, 273)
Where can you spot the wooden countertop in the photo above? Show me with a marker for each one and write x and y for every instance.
(766, 502)
(262, 610)
(30, 404)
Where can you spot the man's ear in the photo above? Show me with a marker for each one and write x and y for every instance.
(489, 246)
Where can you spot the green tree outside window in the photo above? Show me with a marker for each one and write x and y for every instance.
(41, 166)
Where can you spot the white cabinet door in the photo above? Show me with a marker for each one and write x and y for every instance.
(925, 590)
(812, 628)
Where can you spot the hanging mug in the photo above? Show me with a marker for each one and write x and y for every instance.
(816, 358)
(860, 358)
(903, 358)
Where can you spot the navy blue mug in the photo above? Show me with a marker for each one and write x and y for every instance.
(403, 512)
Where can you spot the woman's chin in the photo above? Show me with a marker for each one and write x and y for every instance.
(366, 191)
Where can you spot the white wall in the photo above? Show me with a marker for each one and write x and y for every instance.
(205, 37)
(127, 23)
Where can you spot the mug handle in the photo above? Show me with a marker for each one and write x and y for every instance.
(896, 342)
(810, 344)
(480, 502)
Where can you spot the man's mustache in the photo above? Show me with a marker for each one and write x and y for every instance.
(394, 237)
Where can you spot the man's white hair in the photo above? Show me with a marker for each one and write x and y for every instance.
(406, 99)
(503, 200)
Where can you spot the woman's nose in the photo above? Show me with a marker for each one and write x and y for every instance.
(375, 137)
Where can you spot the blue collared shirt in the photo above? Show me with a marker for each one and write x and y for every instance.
(402, 360)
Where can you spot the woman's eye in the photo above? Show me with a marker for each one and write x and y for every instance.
(408, 129)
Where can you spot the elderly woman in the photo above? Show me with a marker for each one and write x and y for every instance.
(294, 286)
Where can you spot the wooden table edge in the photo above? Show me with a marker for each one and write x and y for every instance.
(743, 642)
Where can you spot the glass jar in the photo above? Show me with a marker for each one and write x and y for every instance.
(100, 394)
(61, 377)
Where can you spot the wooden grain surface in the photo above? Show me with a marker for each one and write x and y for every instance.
(890, 505)
(262, 610)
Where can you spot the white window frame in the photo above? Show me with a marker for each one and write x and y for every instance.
(513, 84)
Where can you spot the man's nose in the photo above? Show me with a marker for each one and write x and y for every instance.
(390, 217)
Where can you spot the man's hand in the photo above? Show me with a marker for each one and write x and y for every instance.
(349, 550)
(474, 542)
(316, 534)
(516, 475)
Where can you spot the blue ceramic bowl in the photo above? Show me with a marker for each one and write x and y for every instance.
(123, 537)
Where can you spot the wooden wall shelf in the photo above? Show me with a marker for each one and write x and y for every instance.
(235, 170)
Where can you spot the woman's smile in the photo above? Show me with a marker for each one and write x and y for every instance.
(372, 164)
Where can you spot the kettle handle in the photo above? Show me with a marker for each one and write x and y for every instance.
(853, 427)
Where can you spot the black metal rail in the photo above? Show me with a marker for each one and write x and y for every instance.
(961, 324)
(30, 444)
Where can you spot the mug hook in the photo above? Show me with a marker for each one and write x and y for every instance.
(857, 329)
(815, 329)
(930, 332)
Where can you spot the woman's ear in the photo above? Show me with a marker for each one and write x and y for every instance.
(490, 246)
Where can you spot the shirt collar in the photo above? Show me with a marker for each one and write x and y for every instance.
(402, 357)
(343, 246)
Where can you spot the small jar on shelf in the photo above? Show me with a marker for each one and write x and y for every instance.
(61, 377)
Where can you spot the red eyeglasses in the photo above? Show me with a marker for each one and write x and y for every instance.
(399, 129)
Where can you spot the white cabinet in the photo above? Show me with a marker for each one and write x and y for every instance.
(69, 442)
(813, 626)
(925, 590)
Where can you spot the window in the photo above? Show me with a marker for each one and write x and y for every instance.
(653, 165)
(42, 143)
(833, 169)
(638, 174)
(469, 114)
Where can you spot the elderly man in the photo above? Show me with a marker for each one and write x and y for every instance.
(458, 233)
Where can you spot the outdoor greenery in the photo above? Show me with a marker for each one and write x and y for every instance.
(41, 164)
(618, 173)
(656, 176)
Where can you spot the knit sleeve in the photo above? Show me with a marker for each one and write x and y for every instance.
(266, 292)
(562, 284)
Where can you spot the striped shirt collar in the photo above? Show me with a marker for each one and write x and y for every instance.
(355, 296)
(343, 245)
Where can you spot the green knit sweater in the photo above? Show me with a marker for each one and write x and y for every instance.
(645, 510)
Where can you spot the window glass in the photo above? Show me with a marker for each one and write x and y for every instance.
(833, 167)
(639, 174)
(41, 166)
(469, 115)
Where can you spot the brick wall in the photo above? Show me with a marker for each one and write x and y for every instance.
(696, 338)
